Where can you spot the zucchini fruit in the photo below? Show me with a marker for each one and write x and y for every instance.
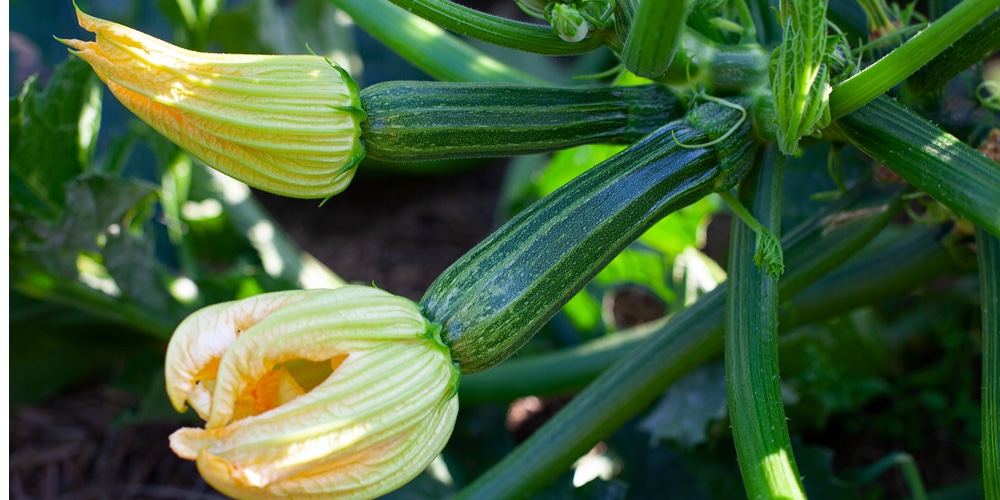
(424, 121)
(493, 299)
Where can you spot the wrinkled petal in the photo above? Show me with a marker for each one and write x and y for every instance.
(289, 125)
(377, 470)
(346, 320)
(200, 341)
(375, 405)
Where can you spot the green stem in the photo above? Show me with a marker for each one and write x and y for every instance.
(756, 411)
(77, 295)
(906, 464)
(281, 257)
(911, 260)
(749, 21)
(768, 255)
(654, 37)
(988, 247)
(718, 69)
(497, 30)
(762, 17)
(909, 57)
(934, 161)
(429, 47)
(976, 45)
(689, 339)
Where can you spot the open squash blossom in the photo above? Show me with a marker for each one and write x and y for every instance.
(289, 125)
(344, 393)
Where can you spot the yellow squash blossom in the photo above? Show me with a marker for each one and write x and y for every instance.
(309, 394)
(289, 125)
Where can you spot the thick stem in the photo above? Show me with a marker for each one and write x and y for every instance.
(497, 30)
(913, 259)
(429, 47)
(934, 161)
(630, 385)
(979, 43)
(909, 57)
(988, 247)
(756, 411)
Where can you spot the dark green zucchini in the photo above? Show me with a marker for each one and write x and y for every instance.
(423, 121)
(492, 300)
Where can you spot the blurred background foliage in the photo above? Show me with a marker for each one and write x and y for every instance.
(115, 235)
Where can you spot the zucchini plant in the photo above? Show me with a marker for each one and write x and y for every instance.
(702, 100)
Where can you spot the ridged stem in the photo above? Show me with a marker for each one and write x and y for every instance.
(988, 247)
(911, 260)
(429, 47)
(756, 411)
(909, 57)
(631, 384)
(934, 161)
(497, 30)
(976, 45)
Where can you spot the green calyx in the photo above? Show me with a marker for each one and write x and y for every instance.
(800, 73)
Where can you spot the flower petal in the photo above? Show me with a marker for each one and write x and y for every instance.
(287, 124)
(345, 320)
(202, 339)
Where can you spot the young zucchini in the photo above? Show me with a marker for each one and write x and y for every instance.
(492, 300)
(423, 121)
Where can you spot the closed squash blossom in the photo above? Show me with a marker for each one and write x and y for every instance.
(345, 393)
(288, 125)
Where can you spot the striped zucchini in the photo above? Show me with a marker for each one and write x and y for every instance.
(423, 121)
(493, 299)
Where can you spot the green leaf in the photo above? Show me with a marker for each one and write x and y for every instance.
(835, 367)
(800, 77)
(687, 408)
(53, 347)
(52, 135)
(132, 263)
(96, 205)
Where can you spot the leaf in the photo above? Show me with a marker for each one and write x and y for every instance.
(95, 205)
(52, 136)
(686, 409)
(800, 78)
(836, 367)
(131, 261)
(53, 347)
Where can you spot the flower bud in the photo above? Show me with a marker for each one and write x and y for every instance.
(567, 22)
(344, 393)
(286, 124)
